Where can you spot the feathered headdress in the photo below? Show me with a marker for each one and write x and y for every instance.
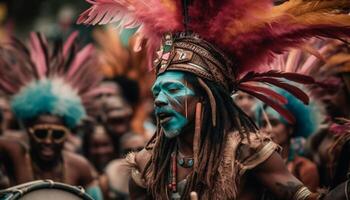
(232, 37)
(319, 56)
(328, 61)
(43, 80)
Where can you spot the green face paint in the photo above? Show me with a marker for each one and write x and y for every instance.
(170, 92)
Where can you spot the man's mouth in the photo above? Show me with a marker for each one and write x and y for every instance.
(164, 117)
(47, 151)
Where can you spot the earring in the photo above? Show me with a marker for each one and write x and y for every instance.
(197, 133)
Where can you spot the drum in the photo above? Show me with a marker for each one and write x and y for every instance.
(44, 190)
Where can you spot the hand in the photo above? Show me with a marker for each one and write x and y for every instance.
(194, 196)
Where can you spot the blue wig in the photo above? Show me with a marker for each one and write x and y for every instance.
(307, 117)
(48, 96)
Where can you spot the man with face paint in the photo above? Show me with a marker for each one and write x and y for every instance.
(204, 142)
(48, 90)
(175, 102)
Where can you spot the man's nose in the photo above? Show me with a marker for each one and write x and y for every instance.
(161, 100)
(48, 140)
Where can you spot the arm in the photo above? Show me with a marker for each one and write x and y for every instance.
(274, 175)
(91, 183)
(88, 177)
(11, 159)
(308, 173)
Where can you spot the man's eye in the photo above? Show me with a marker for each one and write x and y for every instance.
(173, 90)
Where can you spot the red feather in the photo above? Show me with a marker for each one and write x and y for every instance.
(279, 108)
(259, 48)
(295, 77)
(298, 93)
(266, 91)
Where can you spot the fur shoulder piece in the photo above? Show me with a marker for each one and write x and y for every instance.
(135, 172)
(240, 155)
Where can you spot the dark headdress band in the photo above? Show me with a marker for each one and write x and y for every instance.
(194, 55)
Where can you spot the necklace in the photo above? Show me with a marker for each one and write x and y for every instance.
(175, 195)
(177, 158)
(185, 161)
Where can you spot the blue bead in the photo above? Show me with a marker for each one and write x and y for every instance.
(190, 163)
(181, 161)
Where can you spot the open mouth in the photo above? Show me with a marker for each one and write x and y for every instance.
(164, 117)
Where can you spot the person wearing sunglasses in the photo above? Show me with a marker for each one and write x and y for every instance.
(49, 89)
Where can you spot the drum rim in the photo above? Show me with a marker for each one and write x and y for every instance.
(46, 184)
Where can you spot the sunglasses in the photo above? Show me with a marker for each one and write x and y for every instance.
(42, 132)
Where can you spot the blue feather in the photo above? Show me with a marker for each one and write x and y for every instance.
(39, 98)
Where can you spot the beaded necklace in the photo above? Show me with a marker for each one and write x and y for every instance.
(186, 162)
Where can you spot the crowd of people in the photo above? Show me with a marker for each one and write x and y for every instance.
(205, 126)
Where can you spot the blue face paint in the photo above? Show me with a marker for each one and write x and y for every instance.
(170, 92)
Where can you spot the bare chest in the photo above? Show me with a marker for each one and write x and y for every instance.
(25, 170)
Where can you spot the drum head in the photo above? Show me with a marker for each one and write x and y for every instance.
(50, 194)
(44, 190)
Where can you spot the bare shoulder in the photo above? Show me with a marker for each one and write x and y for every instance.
(80, 168)
(12, 145)
(76, 160)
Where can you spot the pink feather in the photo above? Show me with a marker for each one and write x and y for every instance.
(79, 59)
(38, 54)
(9, 88)
(155, 18)
(69, 42)
(310, 62)
(151, 16)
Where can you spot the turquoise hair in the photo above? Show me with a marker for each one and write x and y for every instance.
(48, 96)
(307, 117)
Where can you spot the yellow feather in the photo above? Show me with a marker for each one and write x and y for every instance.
(301, 7)
(169, 4)
(323, 18)
(338, 59)
(113, 57)
(294, 12)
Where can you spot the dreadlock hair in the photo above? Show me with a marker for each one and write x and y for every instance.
(211, 142)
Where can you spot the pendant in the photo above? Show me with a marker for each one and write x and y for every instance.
(175, 196)
(186, 162)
